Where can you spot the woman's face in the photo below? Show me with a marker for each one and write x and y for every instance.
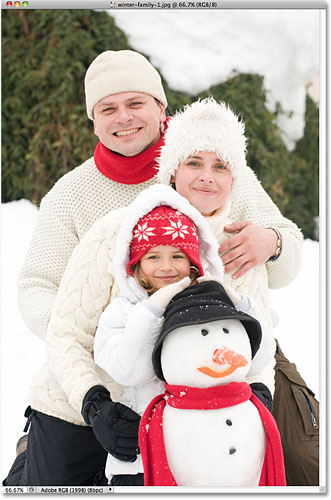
(205, 181)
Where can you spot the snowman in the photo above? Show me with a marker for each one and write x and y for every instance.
(208, 429)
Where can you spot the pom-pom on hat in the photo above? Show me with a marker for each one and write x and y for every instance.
(206, 126)
(202, 303)
(113, 72)
(164, 226)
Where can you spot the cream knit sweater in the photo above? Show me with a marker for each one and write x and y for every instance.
(253, 283)
(87, 287)
(84, 195)
(70, 208)
(58, 389)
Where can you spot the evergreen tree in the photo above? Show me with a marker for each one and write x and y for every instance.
(45, 130)
(46, 133)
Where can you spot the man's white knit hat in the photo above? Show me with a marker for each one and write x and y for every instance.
(203, 126)
(121, 71)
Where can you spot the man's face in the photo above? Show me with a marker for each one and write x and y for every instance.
(129, 122)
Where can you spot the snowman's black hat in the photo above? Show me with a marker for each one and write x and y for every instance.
(202, 303)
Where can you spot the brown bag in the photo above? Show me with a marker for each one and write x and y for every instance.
(296, 412)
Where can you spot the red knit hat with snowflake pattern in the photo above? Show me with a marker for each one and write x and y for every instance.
(164, 226)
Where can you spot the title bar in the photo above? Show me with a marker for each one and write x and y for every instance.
(164, 5)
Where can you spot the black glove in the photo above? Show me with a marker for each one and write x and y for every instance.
(262, 392)
(115, 425)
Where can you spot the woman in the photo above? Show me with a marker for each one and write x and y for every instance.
(204, 159)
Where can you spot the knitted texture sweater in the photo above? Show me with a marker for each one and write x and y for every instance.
(253, 283)
(84, 195)
(70, 208)
(87, 287)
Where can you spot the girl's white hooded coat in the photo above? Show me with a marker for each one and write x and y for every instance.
(130, 324)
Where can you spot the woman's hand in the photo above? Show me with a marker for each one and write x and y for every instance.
(251, 246)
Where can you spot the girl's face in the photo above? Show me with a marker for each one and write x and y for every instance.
(163, 265)
(205, 181)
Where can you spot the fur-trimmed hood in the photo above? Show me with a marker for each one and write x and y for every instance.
(203, 126)
(147, 200)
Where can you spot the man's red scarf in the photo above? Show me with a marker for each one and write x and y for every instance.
(129, 169)
(151, 442)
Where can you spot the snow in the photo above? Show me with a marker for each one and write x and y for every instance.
(22, 352)
(197, 49)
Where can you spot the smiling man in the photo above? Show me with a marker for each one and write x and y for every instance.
(126, 102)
(128, 123)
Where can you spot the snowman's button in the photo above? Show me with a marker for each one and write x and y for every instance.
(228, 422)
(232, 451)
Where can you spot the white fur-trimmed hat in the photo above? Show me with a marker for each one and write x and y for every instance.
(112, 72)
(203, 126)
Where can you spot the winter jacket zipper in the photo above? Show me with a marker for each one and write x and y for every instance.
(310, 409)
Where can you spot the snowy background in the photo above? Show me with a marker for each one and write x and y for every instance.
(194, 50)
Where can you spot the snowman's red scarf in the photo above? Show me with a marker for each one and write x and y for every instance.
(151, 442)
(129, 169)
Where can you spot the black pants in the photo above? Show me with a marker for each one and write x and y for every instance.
(58, 454)
(128, 480)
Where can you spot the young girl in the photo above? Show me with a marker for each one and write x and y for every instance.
(159, 252)
(162, 240)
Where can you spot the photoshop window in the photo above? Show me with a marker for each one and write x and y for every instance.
(213, 114)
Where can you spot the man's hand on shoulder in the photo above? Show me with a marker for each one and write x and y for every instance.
(251, 246)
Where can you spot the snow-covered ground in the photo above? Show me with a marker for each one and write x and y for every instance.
(22, 352)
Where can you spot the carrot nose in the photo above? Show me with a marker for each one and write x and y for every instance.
(225, 356)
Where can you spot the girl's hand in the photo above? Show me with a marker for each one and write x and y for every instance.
(162, 297)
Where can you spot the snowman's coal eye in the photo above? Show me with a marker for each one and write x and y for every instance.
(204, 332)
(225, 330)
